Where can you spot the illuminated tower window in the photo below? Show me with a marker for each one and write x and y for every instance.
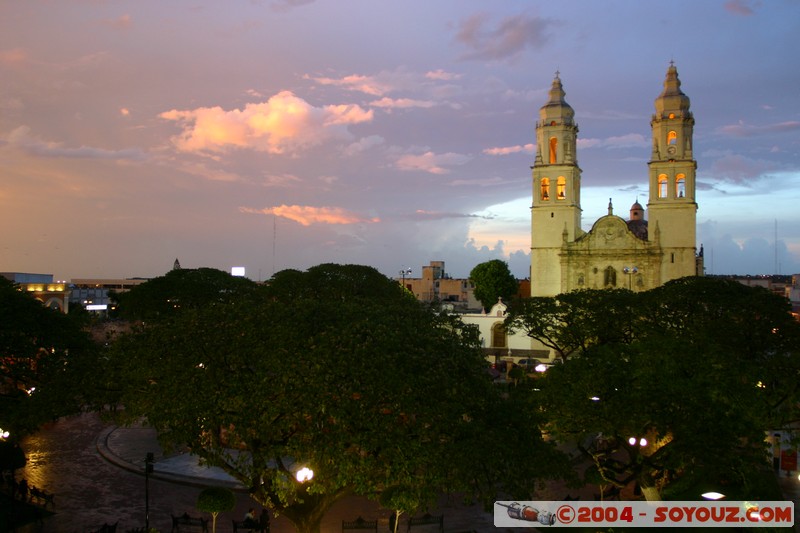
(561, 188)
(680, 186)
(662, 186)
(553, 149)
(672, 138)
(545, 188)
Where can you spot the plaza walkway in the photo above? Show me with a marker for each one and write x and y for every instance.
(96, 473)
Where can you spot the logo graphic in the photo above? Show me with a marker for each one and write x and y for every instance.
(527, 513)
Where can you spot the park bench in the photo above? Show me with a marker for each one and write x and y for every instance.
(427, 520)
(186, 521)
(241, 525)
(360, 523)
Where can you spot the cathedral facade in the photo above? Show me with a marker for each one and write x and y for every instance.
(636, 253)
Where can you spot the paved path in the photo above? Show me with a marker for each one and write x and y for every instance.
(96, 474)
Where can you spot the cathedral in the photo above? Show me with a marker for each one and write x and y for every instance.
(635, 254)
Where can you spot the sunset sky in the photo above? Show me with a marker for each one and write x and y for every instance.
(282, 134)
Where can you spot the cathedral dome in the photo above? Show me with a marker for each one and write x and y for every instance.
(637, 211)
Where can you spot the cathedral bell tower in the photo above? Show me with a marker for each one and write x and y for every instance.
(556, 209)
(672, 209)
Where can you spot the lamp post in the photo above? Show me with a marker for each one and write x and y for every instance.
(403, 273)
(148, 469)
(630, 271)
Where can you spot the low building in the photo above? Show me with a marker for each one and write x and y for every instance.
(93, 293)
(52, 294)
(435, 285)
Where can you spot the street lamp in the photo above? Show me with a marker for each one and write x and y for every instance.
(304, 474)
(630, 271)
(403, 273)
(642, 442)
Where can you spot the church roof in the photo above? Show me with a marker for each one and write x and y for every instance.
(638, 228)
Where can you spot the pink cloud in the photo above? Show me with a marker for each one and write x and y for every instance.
(440, 74)
(506, 150)
(121, 23)
(354, 82)
(283, 124)
(307, 215)
(401, 103)
(744, 130)
(431, 162)
(14, 56)
(739, 7)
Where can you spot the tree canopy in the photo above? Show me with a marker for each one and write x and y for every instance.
(700, 368)
(38, 345)
(493, 280)
(338, 369)
(179, 290)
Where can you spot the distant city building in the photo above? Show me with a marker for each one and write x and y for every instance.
(93, 293)
(436, 285)
(52, 294)
(787, 286)
(793, 293)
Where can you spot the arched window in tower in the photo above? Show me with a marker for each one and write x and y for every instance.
(553, 150)
(499, 337)
(561, 188)
(545, 188)
(662, 185)
(672, 138)
(680, 186)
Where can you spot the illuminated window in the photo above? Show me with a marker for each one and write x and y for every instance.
(553, 149)
(672, 138)
(662, 186)
(680, 186)
(561, 188)
(545, 188)
(672, 115)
